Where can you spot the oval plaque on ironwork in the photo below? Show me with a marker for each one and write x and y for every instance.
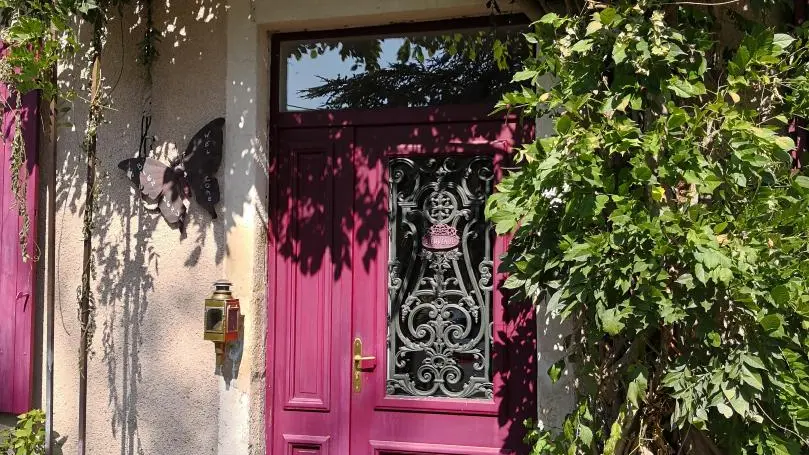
(441, 237)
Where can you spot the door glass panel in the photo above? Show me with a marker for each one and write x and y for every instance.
(440, 277)
(425, 69)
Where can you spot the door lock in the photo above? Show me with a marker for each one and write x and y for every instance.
(359, 364)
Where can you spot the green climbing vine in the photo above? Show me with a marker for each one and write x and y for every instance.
(151, 38)
(19, 180)
(664, 221)
(95, 117)
(36, 35)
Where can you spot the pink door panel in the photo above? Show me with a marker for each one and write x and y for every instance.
(312, 293)
(17, 277)
(393, 413)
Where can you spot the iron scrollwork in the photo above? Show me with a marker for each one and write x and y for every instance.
(440, 277)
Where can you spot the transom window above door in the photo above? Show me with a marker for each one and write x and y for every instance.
(463, 66)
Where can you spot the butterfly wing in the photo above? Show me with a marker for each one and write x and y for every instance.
(204, 151)
(155, 178)
(206, 191)
(201, 160)
(148, 174)
(133, 168)
(158, 182)
(173, 203)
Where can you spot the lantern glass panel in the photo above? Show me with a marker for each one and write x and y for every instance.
(213, 319)
(233, 319)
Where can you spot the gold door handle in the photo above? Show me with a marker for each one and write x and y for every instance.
(360, 363)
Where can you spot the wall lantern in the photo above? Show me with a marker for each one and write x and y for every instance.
(222, 317)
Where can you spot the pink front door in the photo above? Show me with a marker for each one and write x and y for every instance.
(389, 332)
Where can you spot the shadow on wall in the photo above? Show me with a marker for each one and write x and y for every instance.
(128, 260)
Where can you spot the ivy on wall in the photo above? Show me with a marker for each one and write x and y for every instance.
(663, 219)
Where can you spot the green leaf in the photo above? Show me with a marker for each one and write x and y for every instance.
(685, 89)
(724, 274)
(762, 133)
(555, 371)
(802, 181)
(582, 46)
(752, 379)
(585, 434)
(753, 361)
(564, 124)
(724, 409)
(642, 173)
(636, 391)
(524, 75)
(616, 433)
(512, 282)
(593, 27)
(737, 402)
(505, 226)
(782, 40)
(785, 143)
(771, 323)
(676, 119)
(699, 272)
(550, 18)
(715, 339)
(611, 321)
(687, 280)
(658, 193)
(608, 15)
(86, 6)
(780, 295)
(734, 96)
(553, 303)
(619, 52)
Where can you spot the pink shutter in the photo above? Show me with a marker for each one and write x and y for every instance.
(17, 290)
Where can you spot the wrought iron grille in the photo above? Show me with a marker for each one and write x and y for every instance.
(440, 277)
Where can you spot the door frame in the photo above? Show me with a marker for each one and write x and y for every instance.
(348, 117)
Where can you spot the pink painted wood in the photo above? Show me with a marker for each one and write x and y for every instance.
(312, 292)
(429, 425)
(328, 276)
(17, 277)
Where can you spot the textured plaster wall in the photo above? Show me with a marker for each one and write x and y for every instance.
(151, 384)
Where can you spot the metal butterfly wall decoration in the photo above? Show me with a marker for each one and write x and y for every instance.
(171, 186)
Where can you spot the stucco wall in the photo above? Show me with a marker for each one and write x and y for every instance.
(152, 388)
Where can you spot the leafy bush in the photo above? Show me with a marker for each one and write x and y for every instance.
(664, 220)
(27, 438)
